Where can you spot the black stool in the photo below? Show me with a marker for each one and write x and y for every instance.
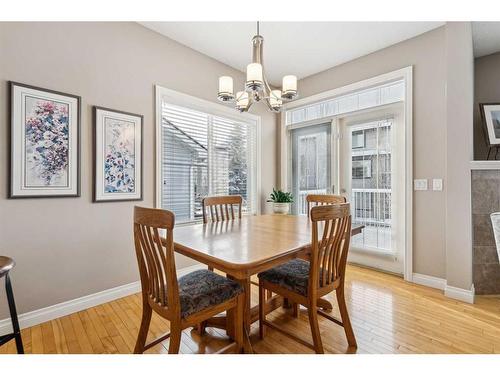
(6, 264)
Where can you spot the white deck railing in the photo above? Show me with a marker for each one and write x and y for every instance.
(371, 206)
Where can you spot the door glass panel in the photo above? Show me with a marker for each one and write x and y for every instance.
(311, 164)
(371, 185)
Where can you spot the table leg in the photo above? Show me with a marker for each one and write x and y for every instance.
(247, 321)
(248, 304)
(246, 284)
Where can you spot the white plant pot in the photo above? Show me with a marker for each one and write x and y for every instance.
(495, 223)
(281, 208)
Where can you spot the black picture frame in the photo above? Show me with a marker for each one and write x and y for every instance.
(486, 132)
(11, 131)
(95, 198)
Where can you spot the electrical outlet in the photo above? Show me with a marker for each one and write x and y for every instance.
(437, 184)
(420, 184)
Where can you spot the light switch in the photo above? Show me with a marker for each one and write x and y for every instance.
(437, 184)
(420, 184)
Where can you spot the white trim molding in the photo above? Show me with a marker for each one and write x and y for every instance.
(460, 294)
(430, 281)
(485, 164)
(46, 314)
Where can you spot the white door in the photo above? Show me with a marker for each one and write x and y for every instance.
(371, 176)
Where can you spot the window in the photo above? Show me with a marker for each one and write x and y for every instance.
(204, 154)
(308, 163)
(358, 139)
(361, 169)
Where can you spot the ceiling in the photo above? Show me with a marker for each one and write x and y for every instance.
(486, 36)
(299, 48)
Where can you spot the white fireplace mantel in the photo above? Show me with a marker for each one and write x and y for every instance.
(484, 164)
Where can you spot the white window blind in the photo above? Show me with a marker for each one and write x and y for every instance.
(205, 155)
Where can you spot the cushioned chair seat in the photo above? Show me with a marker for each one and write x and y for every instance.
(293, 275)
(201, 289)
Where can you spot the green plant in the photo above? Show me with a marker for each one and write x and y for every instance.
(278, 196)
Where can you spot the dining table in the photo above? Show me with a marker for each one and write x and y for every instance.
(243, 248)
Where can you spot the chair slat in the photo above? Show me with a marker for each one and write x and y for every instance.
(314, 200)
(221, 205)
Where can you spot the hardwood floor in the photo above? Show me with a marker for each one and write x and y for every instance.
(388, 314)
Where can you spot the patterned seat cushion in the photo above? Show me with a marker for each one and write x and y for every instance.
(293, 275)
(201, 289)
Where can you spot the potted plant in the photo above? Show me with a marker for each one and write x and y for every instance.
(281, 201)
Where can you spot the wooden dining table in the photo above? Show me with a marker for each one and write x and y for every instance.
(243, 248)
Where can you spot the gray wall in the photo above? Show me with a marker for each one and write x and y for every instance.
(459, 115)
(486, 90)
(442, 61)
(427, 55)
(68, 248)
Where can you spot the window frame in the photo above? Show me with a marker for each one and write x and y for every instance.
(213, 109)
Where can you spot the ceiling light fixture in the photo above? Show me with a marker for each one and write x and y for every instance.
(256, 86)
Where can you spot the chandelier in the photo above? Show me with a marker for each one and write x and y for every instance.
(256, 86)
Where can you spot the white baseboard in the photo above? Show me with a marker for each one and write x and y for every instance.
(460, 294)
(45, 314)
(441, 284)
(430, 281)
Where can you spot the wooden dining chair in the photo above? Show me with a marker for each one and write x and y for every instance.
(186, 301)
(221, 208)
(303, 282)
(323, 199)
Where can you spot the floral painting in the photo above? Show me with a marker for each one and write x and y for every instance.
(118, 155)
(119, 166)
(47, 146)
(45, 131)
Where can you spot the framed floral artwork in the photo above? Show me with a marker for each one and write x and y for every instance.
(117, 155)
(44, 143)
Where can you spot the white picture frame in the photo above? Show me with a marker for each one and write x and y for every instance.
(117, 155)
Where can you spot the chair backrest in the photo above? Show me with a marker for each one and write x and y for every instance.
(221, 207)
(322, 199)
(331, 235)
(155, 257)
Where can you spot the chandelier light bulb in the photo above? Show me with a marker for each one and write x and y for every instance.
(289, 87)
(242, 100)
(275, 99)
(254, 76)
(225, 89)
